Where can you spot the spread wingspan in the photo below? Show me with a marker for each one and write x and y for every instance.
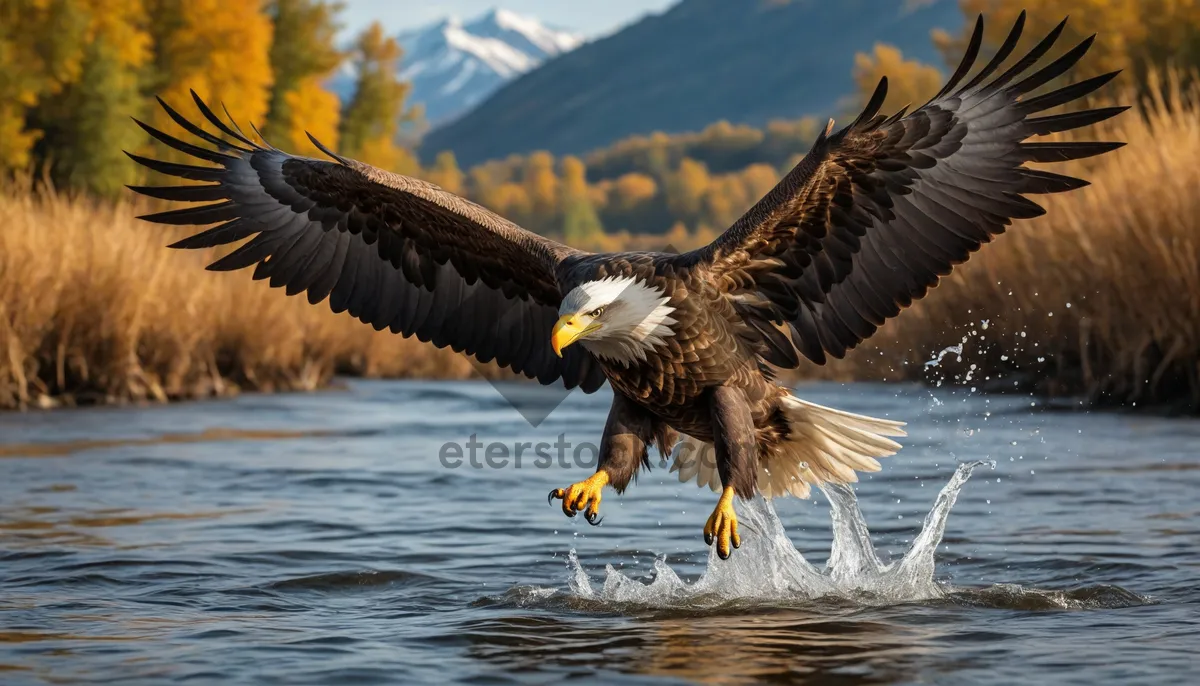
(394, 251)
(877, 212)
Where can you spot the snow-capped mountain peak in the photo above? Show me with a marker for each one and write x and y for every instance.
(511, 27)
(453, 65)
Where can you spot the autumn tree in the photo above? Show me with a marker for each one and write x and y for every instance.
(303, 56)
(38, 53)
(509, 200)
(580, 223)
(633, 189)
(1138, 36)
(686, 189)
(445, 173)
(910, 82)
(759, 179)
(218, 49)
(541, 184)
(80, 117)
(86, 126)
(371, 121)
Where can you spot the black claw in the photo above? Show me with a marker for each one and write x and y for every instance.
(723, 556)
(554, 493)
(736, 543)
(708, 539)
(571, 513)
(592, 518)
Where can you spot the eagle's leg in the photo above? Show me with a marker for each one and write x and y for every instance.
(622, 451)
(736, 444)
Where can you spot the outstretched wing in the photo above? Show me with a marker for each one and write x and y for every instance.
(393, 251)
(876, 213)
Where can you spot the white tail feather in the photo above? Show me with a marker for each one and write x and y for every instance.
(824, 445)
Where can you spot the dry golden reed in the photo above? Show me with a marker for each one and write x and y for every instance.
(1101, 298)
(93, 308)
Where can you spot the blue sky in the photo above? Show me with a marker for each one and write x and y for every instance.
(591, 17)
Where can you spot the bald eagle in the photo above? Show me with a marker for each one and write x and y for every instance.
(865, 224)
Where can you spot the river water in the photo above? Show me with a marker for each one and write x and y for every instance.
(348, 537)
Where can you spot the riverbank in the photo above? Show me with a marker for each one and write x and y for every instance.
(1100, 298)
(96, 310)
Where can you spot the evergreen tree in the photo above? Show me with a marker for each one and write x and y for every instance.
(580, 223)
(87, 125)
(82, 120)
(303, 55)
(39, 51)
(371, 121)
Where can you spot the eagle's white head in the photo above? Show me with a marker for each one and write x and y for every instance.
(616, 318)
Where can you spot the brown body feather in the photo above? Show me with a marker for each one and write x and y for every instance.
(866, 223)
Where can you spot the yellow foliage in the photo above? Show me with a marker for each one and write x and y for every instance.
(16, 141)
(759, 179)
(687, 188)
(42, 48)
(303, 54)
(574, 181)
(310, 108)
(383, 152)
(122, 24)
(371, 120)
(598, 194)
(677, 236)
(725, 195)
(632, 189)
(220, 50)
(910, 82)
(541, 185)
(1136, 35)
(445, 173)
(508, 199)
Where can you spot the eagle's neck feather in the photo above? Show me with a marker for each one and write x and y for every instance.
(641, 323)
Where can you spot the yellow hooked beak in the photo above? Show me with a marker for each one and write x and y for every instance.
(568, 329)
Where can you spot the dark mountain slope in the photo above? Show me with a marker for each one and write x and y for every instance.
(746, 61)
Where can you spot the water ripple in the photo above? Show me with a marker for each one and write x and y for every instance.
(316, 538)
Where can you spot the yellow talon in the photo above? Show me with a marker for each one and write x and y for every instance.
(722, 526)
(583, 497)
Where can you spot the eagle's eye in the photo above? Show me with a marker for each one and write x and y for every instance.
(596, 312)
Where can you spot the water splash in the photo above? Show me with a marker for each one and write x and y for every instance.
(769, 568)
(956, 349)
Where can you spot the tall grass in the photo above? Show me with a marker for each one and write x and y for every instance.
(1101, 298)
(94, 309)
